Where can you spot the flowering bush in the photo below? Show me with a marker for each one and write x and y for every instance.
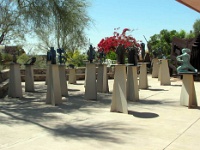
(110, 43)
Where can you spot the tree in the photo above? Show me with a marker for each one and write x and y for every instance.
(161, 43)
(58, 23)
(196, 27)
(11, 27)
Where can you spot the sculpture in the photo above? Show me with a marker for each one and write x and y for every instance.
(48, 56)
(102, 56)
(14, 58)
(133, 55)
(143, 50)
(185, 60)
(120, 51)
(62, 59)
(91, 53)
(53, 55)
(31, 61)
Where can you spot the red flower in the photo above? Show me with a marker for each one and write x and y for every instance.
(110, 43)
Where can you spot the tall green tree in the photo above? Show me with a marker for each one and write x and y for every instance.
(58, 23)
(161, 43)
(196, 27)
(11, 26)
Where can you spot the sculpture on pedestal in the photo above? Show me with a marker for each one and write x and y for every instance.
(53, 55)
(62, 59)
(31, 61)
(101, 56)
(185, 62)
(143, 50)
(120, 51)
(91, 53)
(14, 58)
(133, 55)
(48, 55)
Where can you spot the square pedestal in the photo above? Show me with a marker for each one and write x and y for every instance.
(188, 93)
(63, 81)
(72, 76)
(155, 69)
(53, 87)
(47, 72)
(102, 79)
(29, 79)
(164, 73)
(119, 102)
(143, 81)
(90, 82)
(132, 89)
(15, 87)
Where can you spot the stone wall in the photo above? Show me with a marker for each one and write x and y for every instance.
(40, 74)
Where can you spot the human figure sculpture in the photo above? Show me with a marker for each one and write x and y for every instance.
(91, 53)
(48, 56)
(143, 50)
(120, 51)
(185, 60)
(132, 55)
(53, 55)
(102, 56)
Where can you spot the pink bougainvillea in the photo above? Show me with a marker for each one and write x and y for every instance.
(110, 43)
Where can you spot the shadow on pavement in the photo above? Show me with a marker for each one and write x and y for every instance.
(143, 114)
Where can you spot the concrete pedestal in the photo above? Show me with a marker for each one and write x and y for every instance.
(29, 79)
(102, 79)
(119, 103)
(47, 72)
(72, 76)
(15, 87)
(132, 90)
(143, 81)
(53, 87)
(188, 93)
(155, 68)
(63, 81)
(164, 73)
(90, 82)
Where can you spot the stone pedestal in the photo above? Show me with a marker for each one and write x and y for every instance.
(63, 81)
(188, 93)
(102, 79)
(143, 81)
(47, 72)
(53, 87)
(29, 79)
(119, 103)
(132, 89)
(155, 68)
(72, 76)
(164, 73)
(15, 87)
(90, 82)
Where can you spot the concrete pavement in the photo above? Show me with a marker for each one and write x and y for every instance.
(156, 122)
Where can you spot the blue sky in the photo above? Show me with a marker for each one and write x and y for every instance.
(147, 17)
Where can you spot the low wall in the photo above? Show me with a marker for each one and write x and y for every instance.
(40, 74)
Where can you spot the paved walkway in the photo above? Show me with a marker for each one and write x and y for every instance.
(156, 122)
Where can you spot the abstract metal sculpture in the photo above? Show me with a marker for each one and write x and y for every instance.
(31, 61)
